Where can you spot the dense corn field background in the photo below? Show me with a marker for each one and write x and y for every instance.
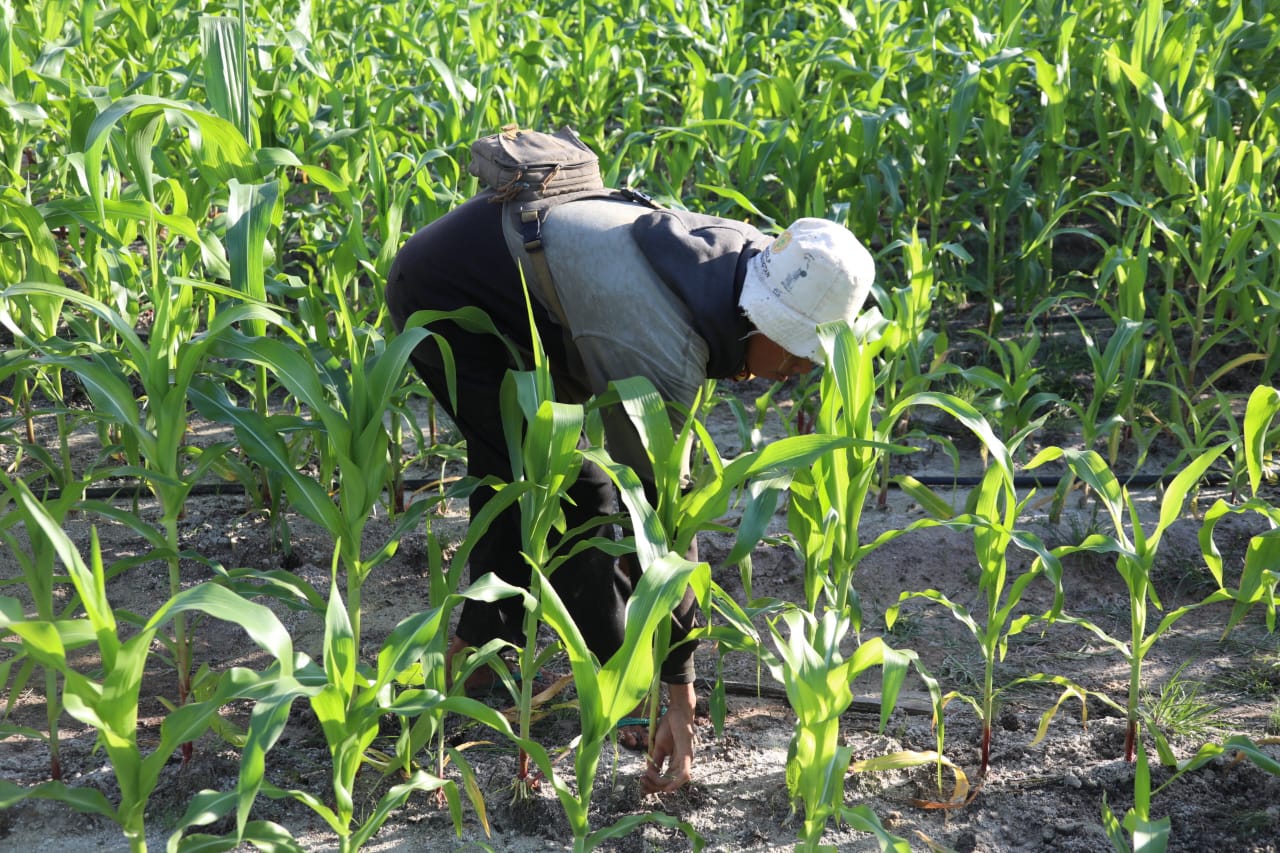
(1073, 207)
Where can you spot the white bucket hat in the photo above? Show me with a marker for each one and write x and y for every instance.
(815, 272)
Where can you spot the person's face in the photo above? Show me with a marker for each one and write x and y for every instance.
(768, 360)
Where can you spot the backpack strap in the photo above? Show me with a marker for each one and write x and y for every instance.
(531, 236)
(527, 219)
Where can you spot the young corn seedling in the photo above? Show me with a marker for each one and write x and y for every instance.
(355, 445)
(428, 677)
(1150, 836)
(1118, 370)
(683, 508)
(911, 355)
(545, 458)
(1135, 555)
(1223, 188)
(1013, 399)
(152, 430)
(33, 317)
(353, 701)
(38, 558)
(826, 501)
(993, 517)
(543, 438)
(348, 402)
(608, 691)
(110, 705)
(1137, 832)
(817, 676)
(1259, 577)
(1154, 835)
(828, 498)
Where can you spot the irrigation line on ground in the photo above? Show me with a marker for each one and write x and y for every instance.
(909, 703)
(133, 490)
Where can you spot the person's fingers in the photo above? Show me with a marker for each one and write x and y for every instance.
(653, 779)
(670, 760)
(654, 782)
(663, 783)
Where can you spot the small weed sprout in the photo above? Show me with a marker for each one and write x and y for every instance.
(1181, 708)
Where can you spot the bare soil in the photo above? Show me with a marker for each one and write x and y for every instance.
(1045, 795)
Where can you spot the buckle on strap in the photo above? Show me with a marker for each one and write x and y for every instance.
(639, 196)
(531, 230)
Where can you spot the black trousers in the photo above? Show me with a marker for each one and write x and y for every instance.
(594, 586)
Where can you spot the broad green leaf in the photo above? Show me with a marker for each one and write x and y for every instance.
(226, 79)
(220, 142)
(1263, 405)
(250, 212)
(83, 800)
(262, 443)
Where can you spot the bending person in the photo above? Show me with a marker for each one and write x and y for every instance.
(672, 296)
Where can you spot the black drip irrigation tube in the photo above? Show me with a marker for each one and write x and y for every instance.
(1031, 481)
(133, 490)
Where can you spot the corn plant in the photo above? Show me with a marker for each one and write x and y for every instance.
(1135, 555)
(817, 677)
(610, 690)
(36, 259)
(994, 65)
(543, 438)
(347, 404)
(355, 446)
(38, 558)
(151, 435)
(152, 431)
(684, 508)
(1118, 370)
(910, 355)
(352, 703)
(1147, 834)
(1223, 213)
(545, 463)
(1009, 393)
(110, 705)
(1259, 579)
(1138, 831)
(828, 498)
(826, 503)
(993, 518)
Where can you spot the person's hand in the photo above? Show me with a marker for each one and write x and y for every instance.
(669, 764)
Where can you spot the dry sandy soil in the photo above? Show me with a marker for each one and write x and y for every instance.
(1036, 796)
